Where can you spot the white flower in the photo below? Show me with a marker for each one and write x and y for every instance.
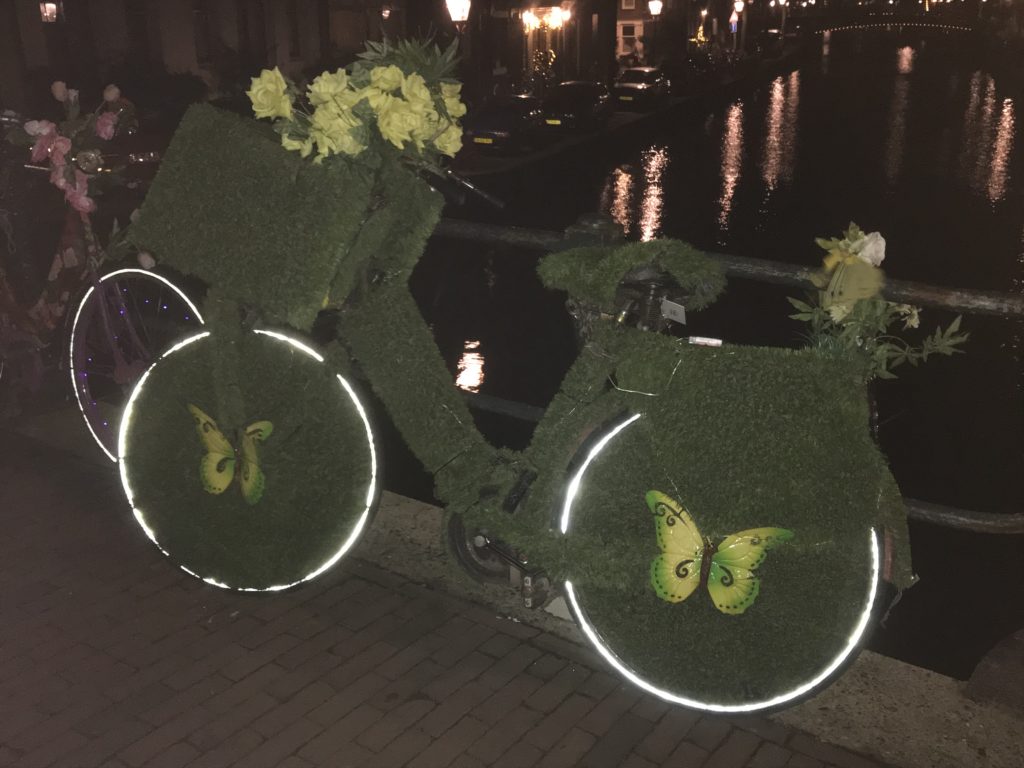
(111, 93)
(72, 96)
(39, 127)
(59, 89)
(146, 260)
(870, 249)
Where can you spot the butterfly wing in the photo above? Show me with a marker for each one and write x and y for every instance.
(217, 467)
(675, 573)
(252, 480)
(731, 581)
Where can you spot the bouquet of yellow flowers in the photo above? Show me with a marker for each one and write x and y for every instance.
(398, 99)
(847, 315)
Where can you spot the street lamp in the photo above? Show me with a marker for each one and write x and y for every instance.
(738, 7)
(459, 11)
(654, 6)
(782, 26)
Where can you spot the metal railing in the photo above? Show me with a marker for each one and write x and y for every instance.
(593, 229)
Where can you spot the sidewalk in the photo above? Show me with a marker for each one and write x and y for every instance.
(110, 656)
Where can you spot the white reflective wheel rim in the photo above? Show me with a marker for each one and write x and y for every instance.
(74, 335)
(599, 644)
(371, 489)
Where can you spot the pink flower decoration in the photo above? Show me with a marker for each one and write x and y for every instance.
(58, 178)
(106, 124)
(78, 195)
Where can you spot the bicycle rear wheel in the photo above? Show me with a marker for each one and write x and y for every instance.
(120, 326)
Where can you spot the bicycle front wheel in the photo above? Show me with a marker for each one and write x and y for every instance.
(121, 325)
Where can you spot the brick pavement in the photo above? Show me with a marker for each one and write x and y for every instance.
(109, 656)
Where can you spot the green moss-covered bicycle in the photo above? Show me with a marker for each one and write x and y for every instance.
(713, 515)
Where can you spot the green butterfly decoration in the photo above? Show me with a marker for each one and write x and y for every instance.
(222, 463)
(688, 559)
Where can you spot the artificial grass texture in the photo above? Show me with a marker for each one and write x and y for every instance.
(316, 463)
(267, 227)
(591, 274)
(743, 437)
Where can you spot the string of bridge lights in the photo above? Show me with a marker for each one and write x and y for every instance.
(887, 24)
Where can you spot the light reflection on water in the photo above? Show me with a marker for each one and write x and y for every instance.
(655, 162)
(1001, 153)
(732, 161)
(470, 367)
(625, 184)
(781, 138)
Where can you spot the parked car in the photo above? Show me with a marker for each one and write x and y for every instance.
(577, 104)
(641, 87)
(508, 123)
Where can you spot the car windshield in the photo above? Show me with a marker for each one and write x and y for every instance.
(638, 76)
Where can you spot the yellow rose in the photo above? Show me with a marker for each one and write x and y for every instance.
(327, 86)
(269, 95)
(428, 126)
(456, 108)
(386, 78)
(450, 140)
(396, 121)
(414, 89)
(294, 145)
(332, 131)
(451, 90)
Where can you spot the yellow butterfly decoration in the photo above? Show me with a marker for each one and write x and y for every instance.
(222, 463)
(689, 560)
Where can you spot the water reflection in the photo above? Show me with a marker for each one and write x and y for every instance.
(780, 142)
(470, 367)
(732, 161)
(1001, 153)
(625, 183)
(896, 141)
(655, 161)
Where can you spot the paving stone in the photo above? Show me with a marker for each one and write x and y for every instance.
(603, 716)
(828, 753)
(503, 734)
(510, 666)
(551, 728)
(344, 701)
(709, 732)
(667, 733)
(101, 747)
(452, 710)
(57, 746)
(763, 727)
(611, 749)
(568, 751)
(553, 692)
(498, 645)
(274, 750)
(651, 708)
(408, 685)
(453, 743)
(304, 701)
(506, 698)
(171, 732)
(735, 751)
(803, 761)
(687, 754)
(178, 756)
(522, 755)
(445, 684)
(339, 737)
(235, 719)
(403, 749)
(388, 728)
(635, 761)
(546, 666)
(770, 755)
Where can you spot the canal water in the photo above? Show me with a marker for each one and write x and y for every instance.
(905, 134)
